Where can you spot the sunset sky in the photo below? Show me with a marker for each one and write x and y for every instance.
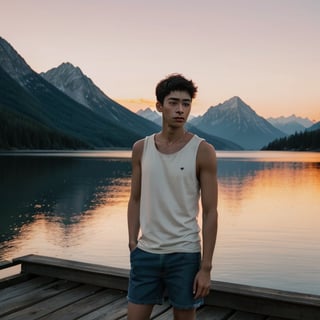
(267, 52)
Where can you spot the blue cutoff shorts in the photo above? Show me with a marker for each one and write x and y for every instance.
(154, 275)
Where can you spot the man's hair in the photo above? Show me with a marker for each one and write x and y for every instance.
(175, 82)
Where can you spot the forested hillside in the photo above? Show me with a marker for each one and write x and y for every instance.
(20, 132)
(300, 141)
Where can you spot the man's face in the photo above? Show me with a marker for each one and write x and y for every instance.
(176, 107)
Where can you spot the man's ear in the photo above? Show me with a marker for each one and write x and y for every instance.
(159, 106)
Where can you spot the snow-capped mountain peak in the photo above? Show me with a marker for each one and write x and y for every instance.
(73, 82)
(13, 63)
(293, 118)
(291, 124)
(238, 122)
(151, 115)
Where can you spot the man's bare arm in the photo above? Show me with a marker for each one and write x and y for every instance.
(207, 173)
(134, 200)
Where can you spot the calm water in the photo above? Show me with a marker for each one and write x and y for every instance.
(73, 205)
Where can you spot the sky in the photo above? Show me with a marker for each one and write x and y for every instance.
(267, 52)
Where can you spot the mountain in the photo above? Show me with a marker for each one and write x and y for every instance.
(314, 127)
(75, 84)
(308, 140)
(219, 143)
(291, 124)
(13, 63)
(153, 116)
(62, 108)
(71, 81)
(43, 103)
(19, 129)
(236, 121)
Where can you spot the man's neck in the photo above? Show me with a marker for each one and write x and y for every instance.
(170, 142)
(170, 135)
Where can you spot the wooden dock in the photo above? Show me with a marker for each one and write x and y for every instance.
(51, 288)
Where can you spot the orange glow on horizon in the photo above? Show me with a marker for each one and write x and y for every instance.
(265, 52)
(199, 108)
(137, 104)
(248, 193)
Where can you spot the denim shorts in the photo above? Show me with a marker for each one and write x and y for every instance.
(153, 276)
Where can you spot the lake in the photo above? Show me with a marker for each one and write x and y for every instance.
(73, 205)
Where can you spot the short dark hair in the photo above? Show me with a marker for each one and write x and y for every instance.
(175, 82)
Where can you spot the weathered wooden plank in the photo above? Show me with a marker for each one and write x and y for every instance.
(14, 279)
(111, 311)
(86, 305)
(269, 302)
(239, 315)
(54, 303)
(74, 265)
(266, 293)
(75, 271)
(23, 287)
(295, 306)
(213, 313)
(34, 296)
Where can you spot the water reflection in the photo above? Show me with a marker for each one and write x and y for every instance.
(240, 181)
(74, 206)
(62, 190)
(269, 222)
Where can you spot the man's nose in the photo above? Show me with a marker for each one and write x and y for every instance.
(180, 108)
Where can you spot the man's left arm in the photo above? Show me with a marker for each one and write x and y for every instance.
(207, 174)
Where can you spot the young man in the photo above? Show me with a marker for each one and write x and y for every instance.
(169, 170)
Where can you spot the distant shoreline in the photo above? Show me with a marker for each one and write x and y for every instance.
(54, 151)
(61, 150)
(119, 153)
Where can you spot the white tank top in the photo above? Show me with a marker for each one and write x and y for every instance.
(169, 203)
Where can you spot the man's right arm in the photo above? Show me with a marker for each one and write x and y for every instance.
(133, 213)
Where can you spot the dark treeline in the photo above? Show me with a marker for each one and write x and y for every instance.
(300, 141)
(20, 132)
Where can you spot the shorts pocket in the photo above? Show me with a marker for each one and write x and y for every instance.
(134, 252)
(192, 258)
